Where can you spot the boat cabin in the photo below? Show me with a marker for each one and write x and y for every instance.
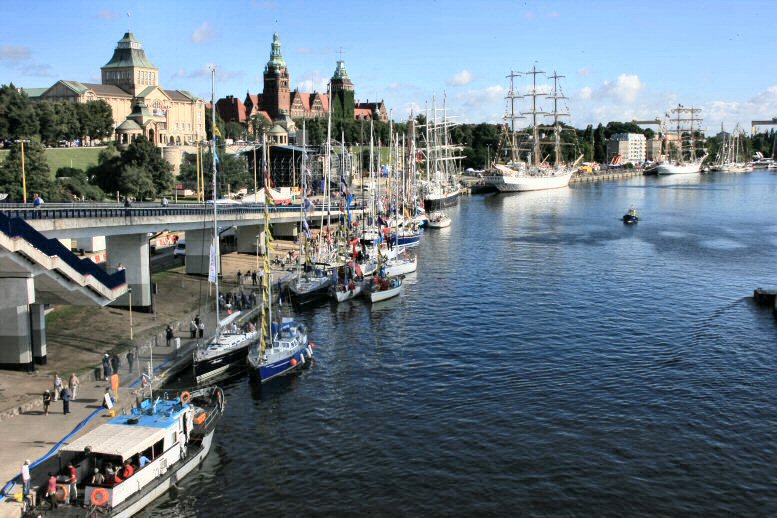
(159, 432)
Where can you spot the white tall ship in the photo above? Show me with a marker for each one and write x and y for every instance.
(683, 158)
(440, 188)
(535, 173)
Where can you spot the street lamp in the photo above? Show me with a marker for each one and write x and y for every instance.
(129, 290)
(24, 177)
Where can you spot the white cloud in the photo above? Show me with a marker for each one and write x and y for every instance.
(585, 93)
(106, 14)
(37, 70)
(583, 72)
(303, 50)
(313, 81)
(461, 78)
(13, 53)
(203, 33)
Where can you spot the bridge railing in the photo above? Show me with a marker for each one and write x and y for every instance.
(113, 210)
(18, 228)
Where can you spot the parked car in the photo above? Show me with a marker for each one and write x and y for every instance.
(180, 248)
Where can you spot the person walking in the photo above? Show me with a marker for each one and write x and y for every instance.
(202, 329)
(239, 277)
(130, 358)
(57, 386)
(193, 329)
(253, 278)
(66, 401)
(51, 490)
(46, 401)
(107, 371)
(115, 363)
(168, 334)
(73, 481)
(38, 201)
(73, 384)
(26, 480)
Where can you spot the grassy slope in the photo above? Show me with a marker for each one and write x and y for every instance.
(81, 158)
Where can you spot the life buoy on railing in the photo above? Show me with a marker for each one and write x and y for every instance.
(100, 496)
(185, 398)
(200, 418)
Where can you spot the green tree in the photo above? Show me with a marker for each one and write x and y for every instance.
(136, 182)
(17, 116)
(36, 173)
(145, 155)
(75, 184)
(106, 173)
(47, 120)
(232, 176)
(66, 117)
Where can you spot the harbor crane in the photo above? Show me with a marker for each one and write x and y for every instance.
(753, 124)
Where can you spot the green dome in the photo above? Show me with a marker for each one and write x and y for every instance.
(276, 59)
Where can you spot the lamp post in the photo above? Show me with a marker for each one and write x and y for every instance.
(129, 290)
(24, 177)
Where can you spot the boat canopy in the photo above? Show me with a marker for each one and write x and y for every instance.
(118, 440)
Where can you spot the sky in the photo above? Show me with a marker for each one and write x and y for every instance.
(622, 60)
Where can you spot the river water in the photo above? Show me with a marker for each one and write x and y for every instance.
(544, 359)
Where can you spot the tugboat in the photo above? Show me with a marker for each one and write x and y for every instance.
(631, 217)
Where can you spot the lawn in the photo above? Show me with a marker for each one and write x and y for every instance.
(78, 157)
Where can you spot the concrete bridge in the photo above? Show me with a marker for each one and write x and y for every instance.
(125, 231)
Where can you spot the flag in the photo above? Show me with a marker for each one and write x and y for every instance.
(306, 229)
(216, 131)
(348, 207)
(216, 156)
(343, 185)
(212, 265)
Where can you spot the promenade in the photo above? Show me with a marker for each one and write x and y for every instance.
(78, 337)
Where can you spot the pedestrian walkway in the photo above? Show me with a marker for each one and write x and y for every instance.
(32, 435)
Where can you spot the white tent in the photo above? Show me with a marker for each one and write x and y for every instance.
(275, 196)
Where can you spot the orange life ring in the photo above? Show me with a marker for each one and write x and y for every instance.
(100, 496)
(185, 398)
(200, 418)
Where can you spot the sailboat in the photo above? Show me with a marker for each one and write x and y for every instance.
(439, 219)
(283, 345)
(535, 173)
(686, 132)
(382, 286)
(229, 347)
(440, 189)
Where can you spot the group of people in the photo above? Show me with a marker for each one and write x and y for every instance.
(242, 278)
(238, 300)
(196, 327)
(66, 393)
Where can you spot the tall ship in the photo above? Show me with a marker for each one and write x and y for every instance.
(533, 173)
(440, 187)
(683, 156)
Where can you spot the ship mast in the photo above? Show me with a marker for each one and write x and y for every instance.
(556, 129)
(511, 97)
(534, 112)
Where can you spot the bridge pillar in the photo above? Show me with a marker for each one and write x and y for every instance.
(198, 251)
(287, 230)
(247, 238)
(132, 252)
(38, 329)
(15, 329)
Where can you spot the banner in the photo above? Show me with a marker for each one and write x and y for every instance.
(212, 266)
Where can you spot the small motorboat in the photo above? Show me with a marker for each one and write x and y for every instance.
(382, 288)
(439, 220)
(631, 217)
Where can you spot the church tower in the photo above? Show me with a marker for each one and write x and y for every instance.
(342, 94)
(276, 96)
(129, 68)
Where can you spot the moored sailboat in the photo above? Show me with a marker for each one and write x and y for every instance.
(683, 158)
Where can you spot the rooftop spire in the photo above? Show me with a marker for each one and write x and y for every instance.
(276, 59)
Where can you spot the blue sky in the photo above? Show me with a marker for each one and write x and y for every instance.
(622, 60)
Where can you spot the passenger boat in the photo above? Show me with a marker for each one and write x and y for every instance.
(161, 440)
(631, 217)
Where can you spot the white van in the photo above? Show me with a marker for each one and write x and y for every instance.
(180, 248)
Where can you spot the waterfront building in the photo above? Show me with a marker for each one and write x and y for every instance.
(279, 104)
(130, 86)
(631, 146)
(653, 149)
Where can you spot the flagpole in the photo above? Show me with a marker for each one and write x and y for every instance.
(216, 251)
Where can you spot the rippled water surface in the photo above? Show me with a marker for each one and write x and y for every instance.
(544, 359)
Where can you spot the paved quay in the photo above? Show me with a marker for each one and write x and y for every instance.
(78, 337)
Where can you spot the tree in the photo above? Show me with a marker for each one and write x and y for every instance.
(136, 182)
(145, 155)
(47, 121)
(232, 176)
(66, 117)
(107, 171)
(17, 116)
(36, 173)
(75, 184)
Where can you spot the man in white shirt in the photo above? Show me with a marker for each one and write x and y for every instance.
(26, 477)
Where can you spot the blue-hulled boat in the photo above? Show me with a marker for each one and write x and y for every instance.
(631, 217)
